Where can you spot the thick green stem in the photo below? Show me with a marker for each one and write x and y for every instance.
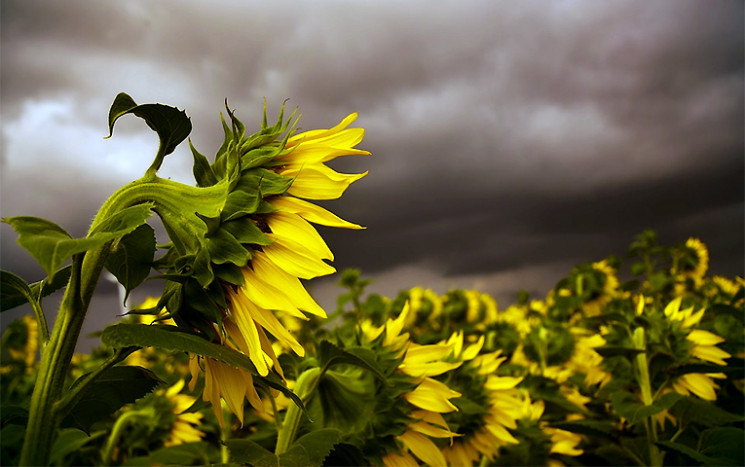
(55, 358)
(304, 388)
(642, 367)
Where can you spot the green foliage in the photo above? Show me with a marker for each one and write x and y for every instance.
(110, 391)
(14, 291)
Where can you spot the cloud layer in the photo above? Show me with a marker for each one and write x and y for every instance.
(506, 136)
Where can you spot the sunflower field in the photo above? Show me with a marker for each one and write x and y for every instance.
(626, 361)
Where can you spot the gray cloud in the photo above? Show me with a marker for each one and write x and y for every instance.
(506, 136)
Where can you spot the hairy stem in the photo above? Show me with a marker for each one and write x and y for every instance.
(306, 384)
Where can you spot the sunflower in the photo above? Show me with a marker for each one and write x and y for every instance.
(698, 344)
(183, 429)
(605, 276)
(691, 265)
(275, 246)
(485, 431)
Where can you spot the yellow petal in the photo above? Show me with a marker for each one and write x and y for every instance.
(294, 262)
(710, 354)
(268, 321)
(286, 284)
(432, 395)
(242, 311)
(322, 133)
(392, 459)
(312, 213)
(288, 228)
(423, 448)
(699, 384)
(473, 349)
(501, 433)
(260, 291)
(701, 337)
(673, 307)
(319, 182)
(496, 383)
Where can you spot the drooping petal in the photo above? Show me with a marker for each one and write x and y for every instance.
(269, 273)
(293, 261)
(312, 213)
(319, 182)
(321, 133)
(292, 230)
(423, 448)
(701, 337)
(432, 395)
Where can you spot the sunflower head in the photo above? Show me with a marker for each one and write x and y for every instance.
(691, 262)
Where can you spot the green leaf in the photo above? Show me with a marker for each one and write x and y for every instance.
(51, 245)
(197, 453)
(132, 257)
(628, 406)
(123, 221)
(68, 440)
(726, 445)
(694, 410)
(329, 354)
(593, 428)
(171, 124)
(111, 390)
(245, 451)
(13, 291)
(608, 351)
(311, 449)
(688, 452)
(308, 450)
(171, 338)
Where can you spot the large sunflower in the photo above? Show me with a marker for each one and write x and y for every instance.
(283, 248)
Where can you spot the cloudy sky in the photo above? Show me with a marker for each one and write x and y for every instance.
(510, 140)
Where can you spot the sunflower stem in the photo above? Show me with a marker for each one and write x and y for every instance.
(642, 367)
(304, 387)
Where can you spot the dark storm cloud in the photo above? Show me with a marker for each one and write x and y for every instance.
(504, 134)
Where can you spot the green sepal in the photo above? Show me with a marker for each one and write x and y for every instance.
(229, 273)
(171, 124)
(131, 257)
(259, 157)
(224, 248)
(246, 231)
(240, 203)
(203, 173)
(267, 182)
(51, 245)
(110, 390)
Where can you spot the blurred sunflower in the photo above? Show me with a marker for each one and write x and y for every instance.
(184, 426)
(690, 264)
(489, 404)
(697, 344)
(426, 399)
